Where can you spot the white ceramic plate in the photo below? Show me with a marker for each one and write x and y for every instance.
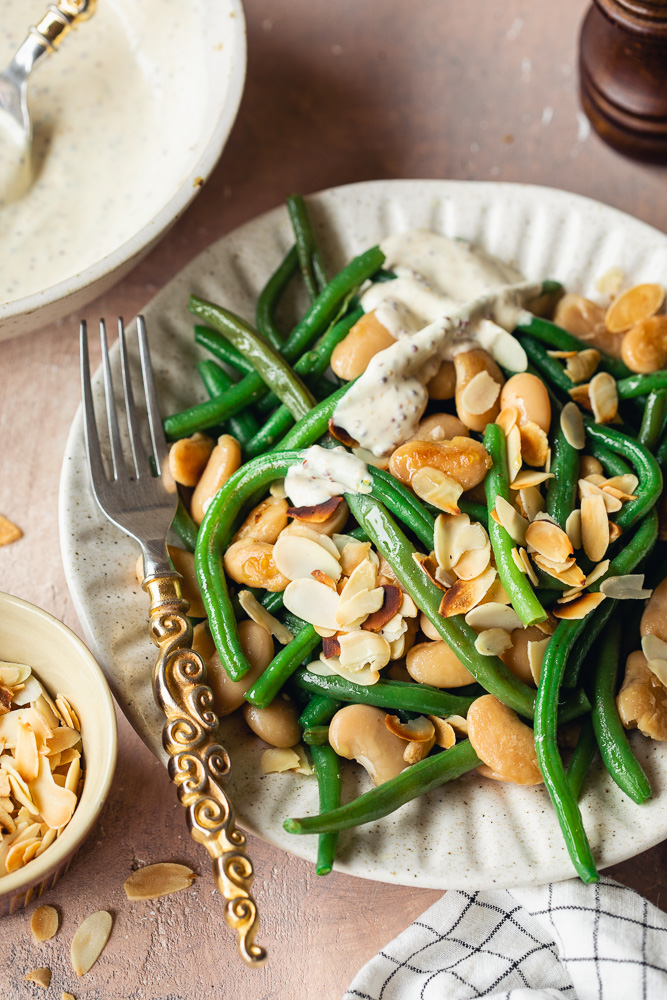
(473, 833)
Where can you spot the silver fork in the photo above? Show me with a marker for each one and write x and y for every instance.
(141, 506)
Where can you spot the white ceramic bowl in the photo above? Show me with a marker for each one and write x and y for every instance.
(197, 54)
(64, 665)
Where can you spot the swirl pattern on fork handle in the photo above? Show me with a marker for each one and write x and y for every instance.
(198, 764)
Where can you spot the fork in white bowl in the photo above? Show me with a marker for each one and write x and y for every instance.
(141, 506)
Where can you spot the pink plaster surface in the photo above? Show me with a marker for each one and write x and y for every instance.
(335, 93)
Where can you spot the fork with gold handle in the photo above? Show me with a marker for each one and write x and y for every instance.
(143, 508)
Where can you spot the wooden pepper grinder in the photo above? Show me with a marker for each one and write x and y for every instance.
(623, 75)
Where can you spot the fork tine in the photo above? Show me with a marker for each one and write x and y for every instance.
(95, 464)
(152, 409)
(138, 453)
(112, 417)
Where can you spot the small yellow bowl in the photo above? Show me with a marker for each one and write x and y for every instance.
(65, 666)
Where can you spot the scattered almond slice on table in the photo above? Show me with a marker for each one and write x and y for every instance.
(89, 941)
(9, 532)
(161, 879)
(42, 977)
(44, 923)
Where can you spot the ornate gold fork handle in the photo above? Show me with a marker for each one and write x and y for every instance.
(197, 762)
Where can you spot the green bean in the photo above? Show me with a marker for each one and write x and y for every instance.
(613, 464)
(270, 296)
(311, 427)
(251, 387)
(400, 502)
(274, 371)
(385, 693)
(313, 362)
(220, 348)
(272, 601)
(550, 369)
(214, 536)
(496, 484)
(646, 467)
(243, 426)
(475, 511)
(653, 420)
(308, 252)
(582, 757)
(641, 385)
(329, 783)
(282, 666)
(184, 526)
(316, 736)
(557, 338)
(416, 780)
(562, 489)
(319, 711)
(392, 543)
(615, 749)
(548, 694)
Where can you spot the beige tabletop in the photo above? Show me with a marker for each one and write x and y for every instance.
(336, 92)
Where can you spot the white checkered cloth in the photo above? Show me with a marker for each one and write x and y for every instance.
(564, 940)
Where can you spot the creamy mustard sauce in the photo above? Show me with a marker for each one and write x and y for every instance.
(448, 297)
(105, 121)
(326, 473)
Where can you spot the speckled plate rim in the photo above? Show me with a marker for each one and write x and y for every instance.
(473, 834)
(186, 191)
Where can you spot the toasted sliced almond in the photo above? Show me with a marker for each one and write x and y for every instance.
(581, 365)
(626, 484)
(491, 616)
(9, 532)
(528, 567)
(604, 397)
(579, 394)
(296, 557)
(571, 577)
(429, 567)
(437, 488)
(279, 759)
(44, 923)
(549, 540)
(496, 594)
(473, 562)
(597, 572)
(318, 513)
(572, 426)
(42, 977)
(314, 602)
(514, 524)
(363, 650)
(154, 881)
(493, 642)
(594, 527)
(614, 532)
(458, 723)
(507, 418)
(366, 676)
(419, 730)
(304, 531)
(445, 736)
(625, 588)
(534, 444)
(261, 616)
(531, 502)
(55, 804)
(464, 595)
(579, 607)
(416, 750)
(561, 355)
(587, 488)
(573, 528)
(89, 941)
(536, 651)
(514, 457)
(479, 394)
(548, 626)
(353, 612)
(530, 477)
(634, 305)
(353, 553)
(393, 599)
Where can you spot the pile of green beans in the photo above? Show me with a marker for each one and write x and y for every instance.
(269, 389)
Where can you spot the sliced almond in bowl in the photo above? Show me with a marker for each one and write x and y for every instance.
(547, 538)
(493, 615)
(579, 607)
(514, 524)
(464, 595)
(581, 366)
(594, 527)
(534, 444)
(636, 304)
(437, 488)
(624, 588)
(572, 426)
(493, 642)
(419, 730)
(154, 881)
(479, 394)
(604, 397)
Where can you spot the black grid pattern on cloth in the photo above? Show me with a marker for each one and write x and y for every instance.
(597, 942)
(487, 947)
